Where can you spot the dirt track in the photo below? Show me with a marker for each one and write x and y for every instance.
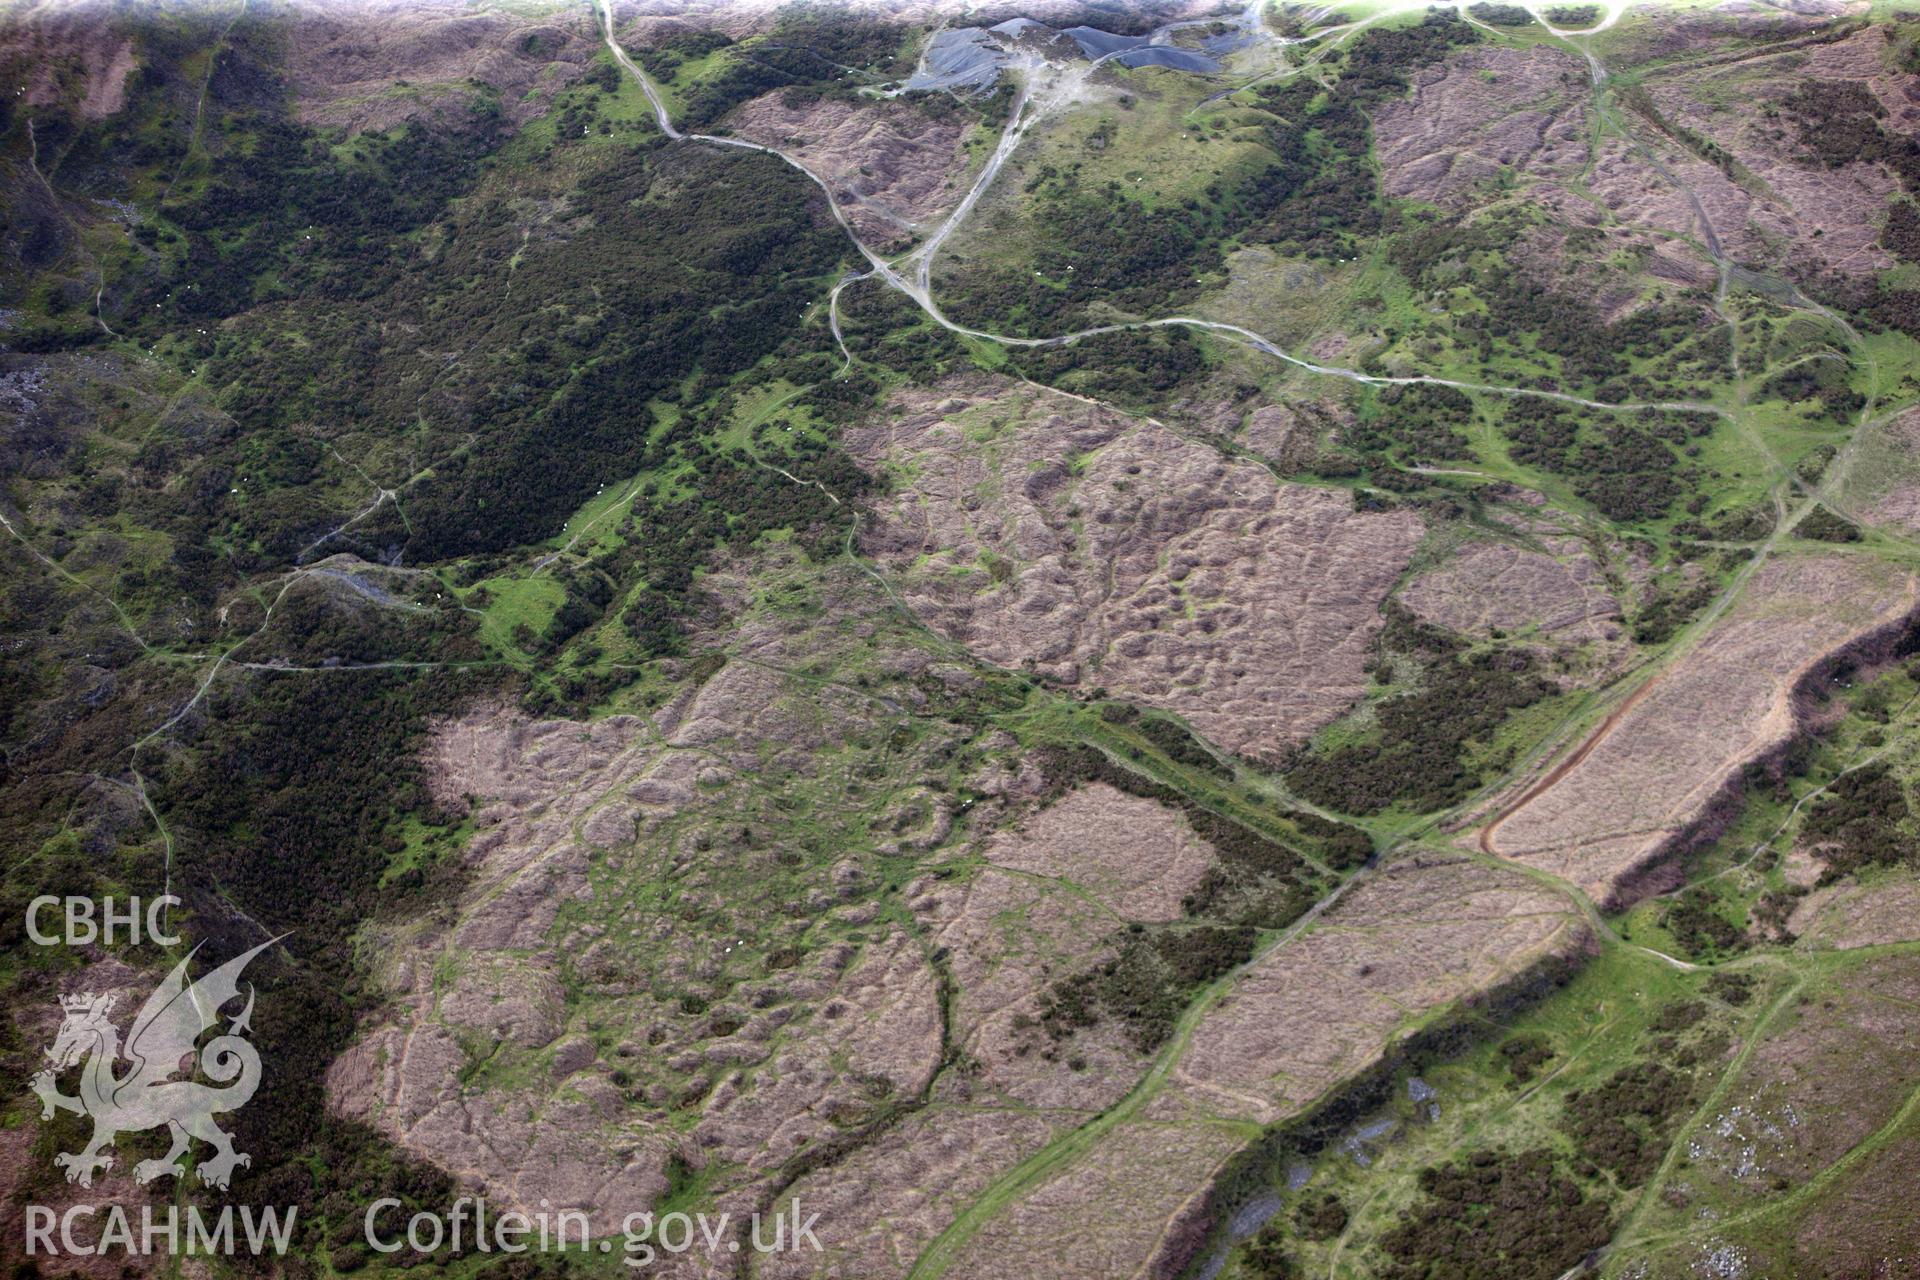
(1655, 766)
(1566, 766)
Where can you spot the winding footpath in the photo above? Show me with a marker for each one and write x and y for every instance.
(917, 285)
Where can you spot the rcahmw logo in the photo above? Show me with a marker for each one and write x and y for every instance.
(165, 1230)
(145, 1083)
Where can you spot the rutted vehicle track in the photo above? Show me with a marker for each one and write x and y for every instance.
(1573, 760)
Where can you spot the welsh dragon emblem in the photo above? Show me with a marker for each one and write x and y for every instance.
(159, 1048)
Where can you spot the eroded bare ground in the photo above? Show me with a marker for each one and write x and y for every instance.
(1416, 937)
(42, 43)
(1285, 300)
(1778, 202)
(1494, 123)
(1490, 119)
(1660, 768)
(639, 932)
(1883, 478)
(1499, 586)
(894, 169)
(1481, 114)
(1421, 935)
(1849, 915)
(1803, 1165)
(544, 1032)
(1056, 889)
(429, 58)
(1039, 530)
(1110, 1213)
